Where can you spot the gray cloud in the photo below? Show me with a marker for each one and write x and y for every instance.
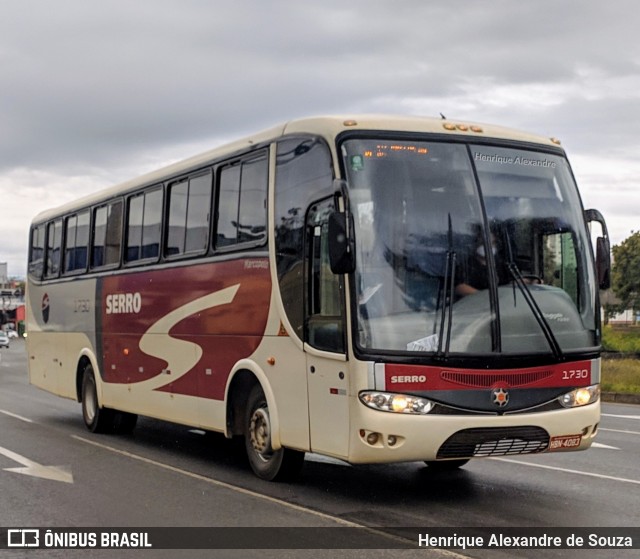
(93, 92)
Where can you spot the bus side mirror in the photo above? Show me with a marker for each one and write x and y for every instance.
(603, 250)
(603, 262)
(341, 249)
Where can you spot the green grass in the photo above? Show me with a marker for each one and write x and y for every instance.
(621, 375)
(623, 339)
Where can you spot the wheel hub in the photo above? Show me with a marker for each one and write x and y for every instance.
(260, 432)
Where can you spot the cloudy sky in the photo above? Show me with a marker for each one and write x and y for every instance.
(93, 93)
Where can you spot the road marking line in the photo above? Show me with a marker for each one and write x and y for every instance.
(567, 470)
(249, 492)
(620, 431)
(16, 416)
(600, 445)
(620, 416)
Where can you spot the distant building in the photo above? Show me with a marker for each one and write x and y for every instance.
(4, 275)
(12, 309)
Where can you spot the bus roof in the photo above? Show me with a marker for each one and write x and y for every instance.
(327, 126)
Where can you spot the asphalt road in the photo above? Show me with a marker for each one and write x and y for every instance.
(54, 473)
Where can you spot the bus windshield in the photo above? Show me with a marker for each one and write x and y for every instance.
(468, 249)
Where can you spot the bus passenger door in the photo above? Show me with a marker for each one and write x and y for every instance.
(325, 341)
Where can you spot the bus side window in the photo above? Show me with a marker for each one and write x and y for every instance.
(325, 319)
(242, 203)
(107, 235)
(36, 255)
(54, 246)
(76, 242)
(144, 226)
(188, 216)
(304, 173)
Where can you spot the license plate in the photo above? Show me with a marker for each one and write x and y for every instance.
(567, 441)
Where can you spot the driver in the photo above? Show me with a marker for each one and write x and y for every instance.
(473, 275)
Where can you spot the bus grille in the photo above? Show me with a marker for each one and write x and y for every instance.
(495, 441)
(487, 380)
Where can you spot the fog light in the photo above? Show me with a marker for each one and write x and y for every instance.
(372, 438)
(392, 440)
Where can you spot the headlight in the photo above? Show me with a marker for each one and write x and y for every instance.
(396, 403)
(580, 396)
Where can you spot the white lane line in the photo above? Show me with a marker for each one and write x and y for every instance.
(27, 420)
(600, 445)
(620, 416)
(620, 431)
(569, 471)
(230, 487)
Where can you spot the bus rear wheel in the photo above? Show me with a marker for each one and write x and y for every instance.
(268, 464)
(97, 419)
(102, 420)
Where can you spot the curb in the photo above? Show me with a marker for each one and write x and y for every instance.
(620, 398)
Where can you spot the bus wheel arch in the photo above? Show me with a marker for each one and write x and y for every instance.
(83, 363)
(244, 376)
(237, 391)
(251, 412)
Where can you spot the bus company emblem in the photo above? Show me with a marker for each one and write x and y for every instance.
(45, 308)
(500, 397)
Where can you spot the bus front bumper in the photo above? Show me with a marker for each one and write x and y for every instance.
(383, 437)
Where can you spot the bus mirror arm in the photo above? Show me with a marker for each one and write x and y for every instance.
(603, 249)
(341, 244)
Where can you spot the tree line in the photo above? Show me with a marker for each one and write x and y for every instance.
(625, 277)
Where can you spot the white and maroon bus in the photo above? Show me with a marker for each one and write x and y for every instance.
(375, 289)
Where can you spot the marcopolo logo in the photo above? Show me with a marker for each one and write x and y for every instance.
(123, 303)
(500, 397)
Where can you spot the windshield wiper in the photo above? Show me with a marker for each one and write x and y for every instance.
(533, 305)
(448, 287)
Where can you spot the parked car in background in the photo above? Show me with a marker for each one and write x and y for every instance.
(4, 340)
(11, 334)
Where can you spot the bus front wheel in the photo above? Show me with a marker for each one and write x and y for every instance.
(268, 464)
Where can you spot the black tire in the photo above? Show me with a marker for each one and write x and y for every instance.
(268, 464)
(446, 465)
(97, 419)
